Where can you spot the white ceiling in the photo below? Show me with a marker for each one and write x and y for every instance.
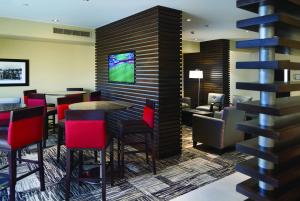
(211, 19)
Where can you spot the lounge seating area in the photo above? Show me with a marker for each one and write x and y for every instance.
(161, 100)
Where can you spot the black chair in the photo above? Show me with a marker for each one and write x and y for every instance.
(95, 96)
(143, 126)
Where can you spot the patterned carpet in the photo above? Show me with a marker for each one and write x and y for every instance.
(177, 175)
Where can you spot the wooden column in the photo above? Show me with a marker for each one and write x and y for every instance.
(275, 168)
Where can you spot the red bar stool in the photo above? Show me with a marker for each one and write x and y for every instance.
(63, 105)
(26, 128)
(27, 93)
(86, 130)
(35, 100)
(95, 96)
(143, 126)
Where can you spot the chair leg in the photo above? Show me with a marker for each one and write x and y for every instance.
(20, 155)
(68, 175)
(46, 132)
(146, 148)
(119, 152)
(41, 166)
(112, 162)
(122, 156)
(59, 142)
(96, 156)
(12, 174)
(80, 165)
(153, 154)
(102, 173)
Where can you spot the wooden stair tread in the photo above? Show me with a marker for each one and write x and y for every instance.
(269, 42)
(252, 5)
(250, 189)
(282, 106)
(286, 127)
(279, 178)
(276, 65)
(283, 152)
(284, 20)
(274, 87)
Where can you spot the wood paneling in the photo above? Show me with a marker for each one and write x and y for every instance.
(155, 35)
(213, 60)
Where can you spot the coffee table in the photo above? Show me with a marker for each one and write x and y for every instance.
(187, 115)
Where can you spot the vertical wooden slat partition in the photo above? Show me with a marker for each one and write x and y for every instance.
(155, 35)
(213, 60)
(275, 167)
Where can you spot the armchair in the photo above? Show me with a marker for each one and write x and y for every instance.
(240, 99)
(218, 133)
(215, 102)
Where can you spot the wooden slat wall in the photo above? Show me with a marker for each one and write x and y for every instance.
(154, 35)
(213, 60)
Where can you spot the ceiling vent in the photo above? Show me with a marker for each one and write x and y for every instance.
(72, 32)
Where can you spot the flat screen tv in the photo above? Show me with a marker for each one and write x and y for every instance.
(121, 67)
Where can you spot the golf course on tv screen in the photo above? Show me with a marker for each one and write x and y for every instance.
(121, 67)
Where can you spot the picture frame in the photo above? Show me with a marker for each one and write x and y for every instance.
(14, 72)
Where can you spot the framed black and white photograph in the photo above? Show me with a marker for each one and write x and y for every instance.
(14, 72)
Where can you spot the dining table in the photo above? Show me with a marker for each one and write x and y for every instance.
(92, 170)
(7, 107)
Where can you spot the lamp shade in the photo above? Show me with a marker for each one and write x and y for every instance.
(196, 74)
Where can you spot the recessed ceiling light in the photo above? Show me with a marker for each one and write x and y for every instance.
(247, 31)
(188, 19)
(55, 20)
(195, 39)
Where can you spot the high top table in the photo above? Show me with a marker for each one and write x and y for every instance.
(106, 106)
(6, 107)
(64, 93)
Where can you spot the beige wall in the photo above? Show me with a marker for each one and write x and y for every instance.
(190, 47)
(53, 65)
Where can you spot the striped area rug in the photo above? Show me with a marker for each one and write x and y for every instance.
(176, 176)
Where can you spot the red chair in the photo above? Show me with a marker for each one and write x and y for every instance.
(5, 116)
(86, 130)
(144, 127)
(95, 96)
(27, 93)
(26, 128)
(35, 100)
(63, 105)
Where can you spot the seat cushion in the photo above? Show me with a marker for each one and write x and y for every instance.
(4, 138)
(134, 126)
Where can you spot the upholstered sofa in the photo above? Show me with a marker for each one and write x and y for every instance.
(218, 132)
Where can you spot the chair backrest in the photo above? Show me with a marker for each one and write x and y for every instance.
(63, 104)
(85, 129)
(95, 96)
(74, 89)
(26, 93)
(35, 100)
(240, 99)
(215, 98)
(149, 113)
(26, 127)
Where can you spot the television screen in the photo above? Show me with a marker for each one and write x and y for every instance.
(121, 67)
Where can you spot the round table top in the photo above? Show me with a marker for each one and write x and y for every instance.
(101, 105)
(7, 107)
(64, 93)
